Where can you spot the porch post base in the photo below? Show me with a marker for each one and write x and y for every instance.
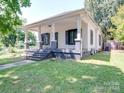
(54, 44)
(78, 45)
(78, 57)
(78, 48)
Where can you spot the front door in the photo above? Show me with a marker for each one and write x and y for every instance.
(56, 38)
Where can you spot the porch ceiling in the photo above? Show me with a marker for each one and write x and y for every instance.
(66, 17)
(47, 25)
(61, 18)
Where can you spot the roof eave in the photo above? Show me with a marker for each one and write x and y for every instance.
(55, 18)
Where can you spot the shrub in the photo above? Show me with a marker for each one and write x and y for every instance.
(12, 50)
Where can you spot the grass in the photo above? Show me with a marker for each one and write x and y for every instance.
(6, 58)
(115, 58)
(64, 76)
(102, 56)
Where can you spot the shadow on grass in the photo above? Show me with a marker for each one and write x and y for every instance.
(101, 56)
(10, 60)
(62, 76)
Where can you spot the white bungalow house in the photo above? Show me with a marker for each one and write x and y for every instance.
(74, 33)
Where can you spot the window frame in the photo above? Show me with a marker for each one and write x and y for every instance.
(45, 38)
(70, 36)
(91, 37)
(100, 40)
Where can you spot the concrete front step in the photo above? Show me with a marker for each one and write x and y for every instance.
(40, 55)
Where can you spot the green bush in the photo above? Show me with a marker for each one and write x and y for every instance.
(12, 50)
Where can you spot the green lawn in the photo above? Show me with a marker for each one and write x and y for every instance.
(115, 58)
(62, 76)
(6, 58)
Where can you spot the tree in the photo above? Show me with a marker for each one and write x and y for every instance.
(102, 11)
(117, 30)
(32, 38)
(9, 39)
(9, 14)
(21, 37)
(10, 11)
(14, 38)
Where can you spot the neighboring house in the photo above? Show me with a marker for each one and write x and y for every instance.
(74, 33)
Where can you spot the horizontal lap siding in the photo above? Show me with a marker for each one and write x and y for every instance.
(93, 46)
(61, 29)
(84, 36)
(46, 30)
(96, 34)
(61, 35)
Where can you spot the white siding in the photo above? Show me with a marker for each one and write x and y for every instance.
(61, 35)
(90, 27)
(96, 34)
(46, 29)
(86, 27)
(84, 36)
(61, 29)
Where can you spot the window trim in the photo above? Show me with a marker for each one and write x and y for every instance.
(100, 40)
(91, 37)
(67, 36)
(44, 35)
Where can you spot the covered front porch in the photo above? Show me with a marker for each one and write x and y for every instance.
(62, 34)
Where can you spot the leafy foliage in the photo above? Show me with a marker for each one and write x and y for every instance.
(9, 39)
(31, 37)
(10, 11)
(12, 38)
(102, 11)
(9, 14)
(117, 30)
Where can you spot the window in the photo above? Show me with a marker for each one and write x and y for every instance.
(91, 37)
(100, 40)
(71, 36)
(45, 38)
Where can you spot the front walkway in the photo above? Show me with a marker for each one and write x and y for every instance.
(15, 64)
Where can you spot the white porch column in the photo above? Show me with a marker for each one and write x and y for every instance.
(53, 41)
(39, 43)
(78, 39)
(79, 28)
(53, 32)
(26, 39)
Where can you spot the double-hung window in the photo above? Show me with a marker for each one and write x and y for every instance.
(71, 36)
(45, 38)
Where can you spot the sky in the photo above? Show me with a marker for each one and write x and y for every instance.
(41, 9)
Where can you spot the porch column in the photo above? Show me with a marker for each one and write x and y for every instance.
(78, 39)
(39, 43)
(53, 41)
(26, 39)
